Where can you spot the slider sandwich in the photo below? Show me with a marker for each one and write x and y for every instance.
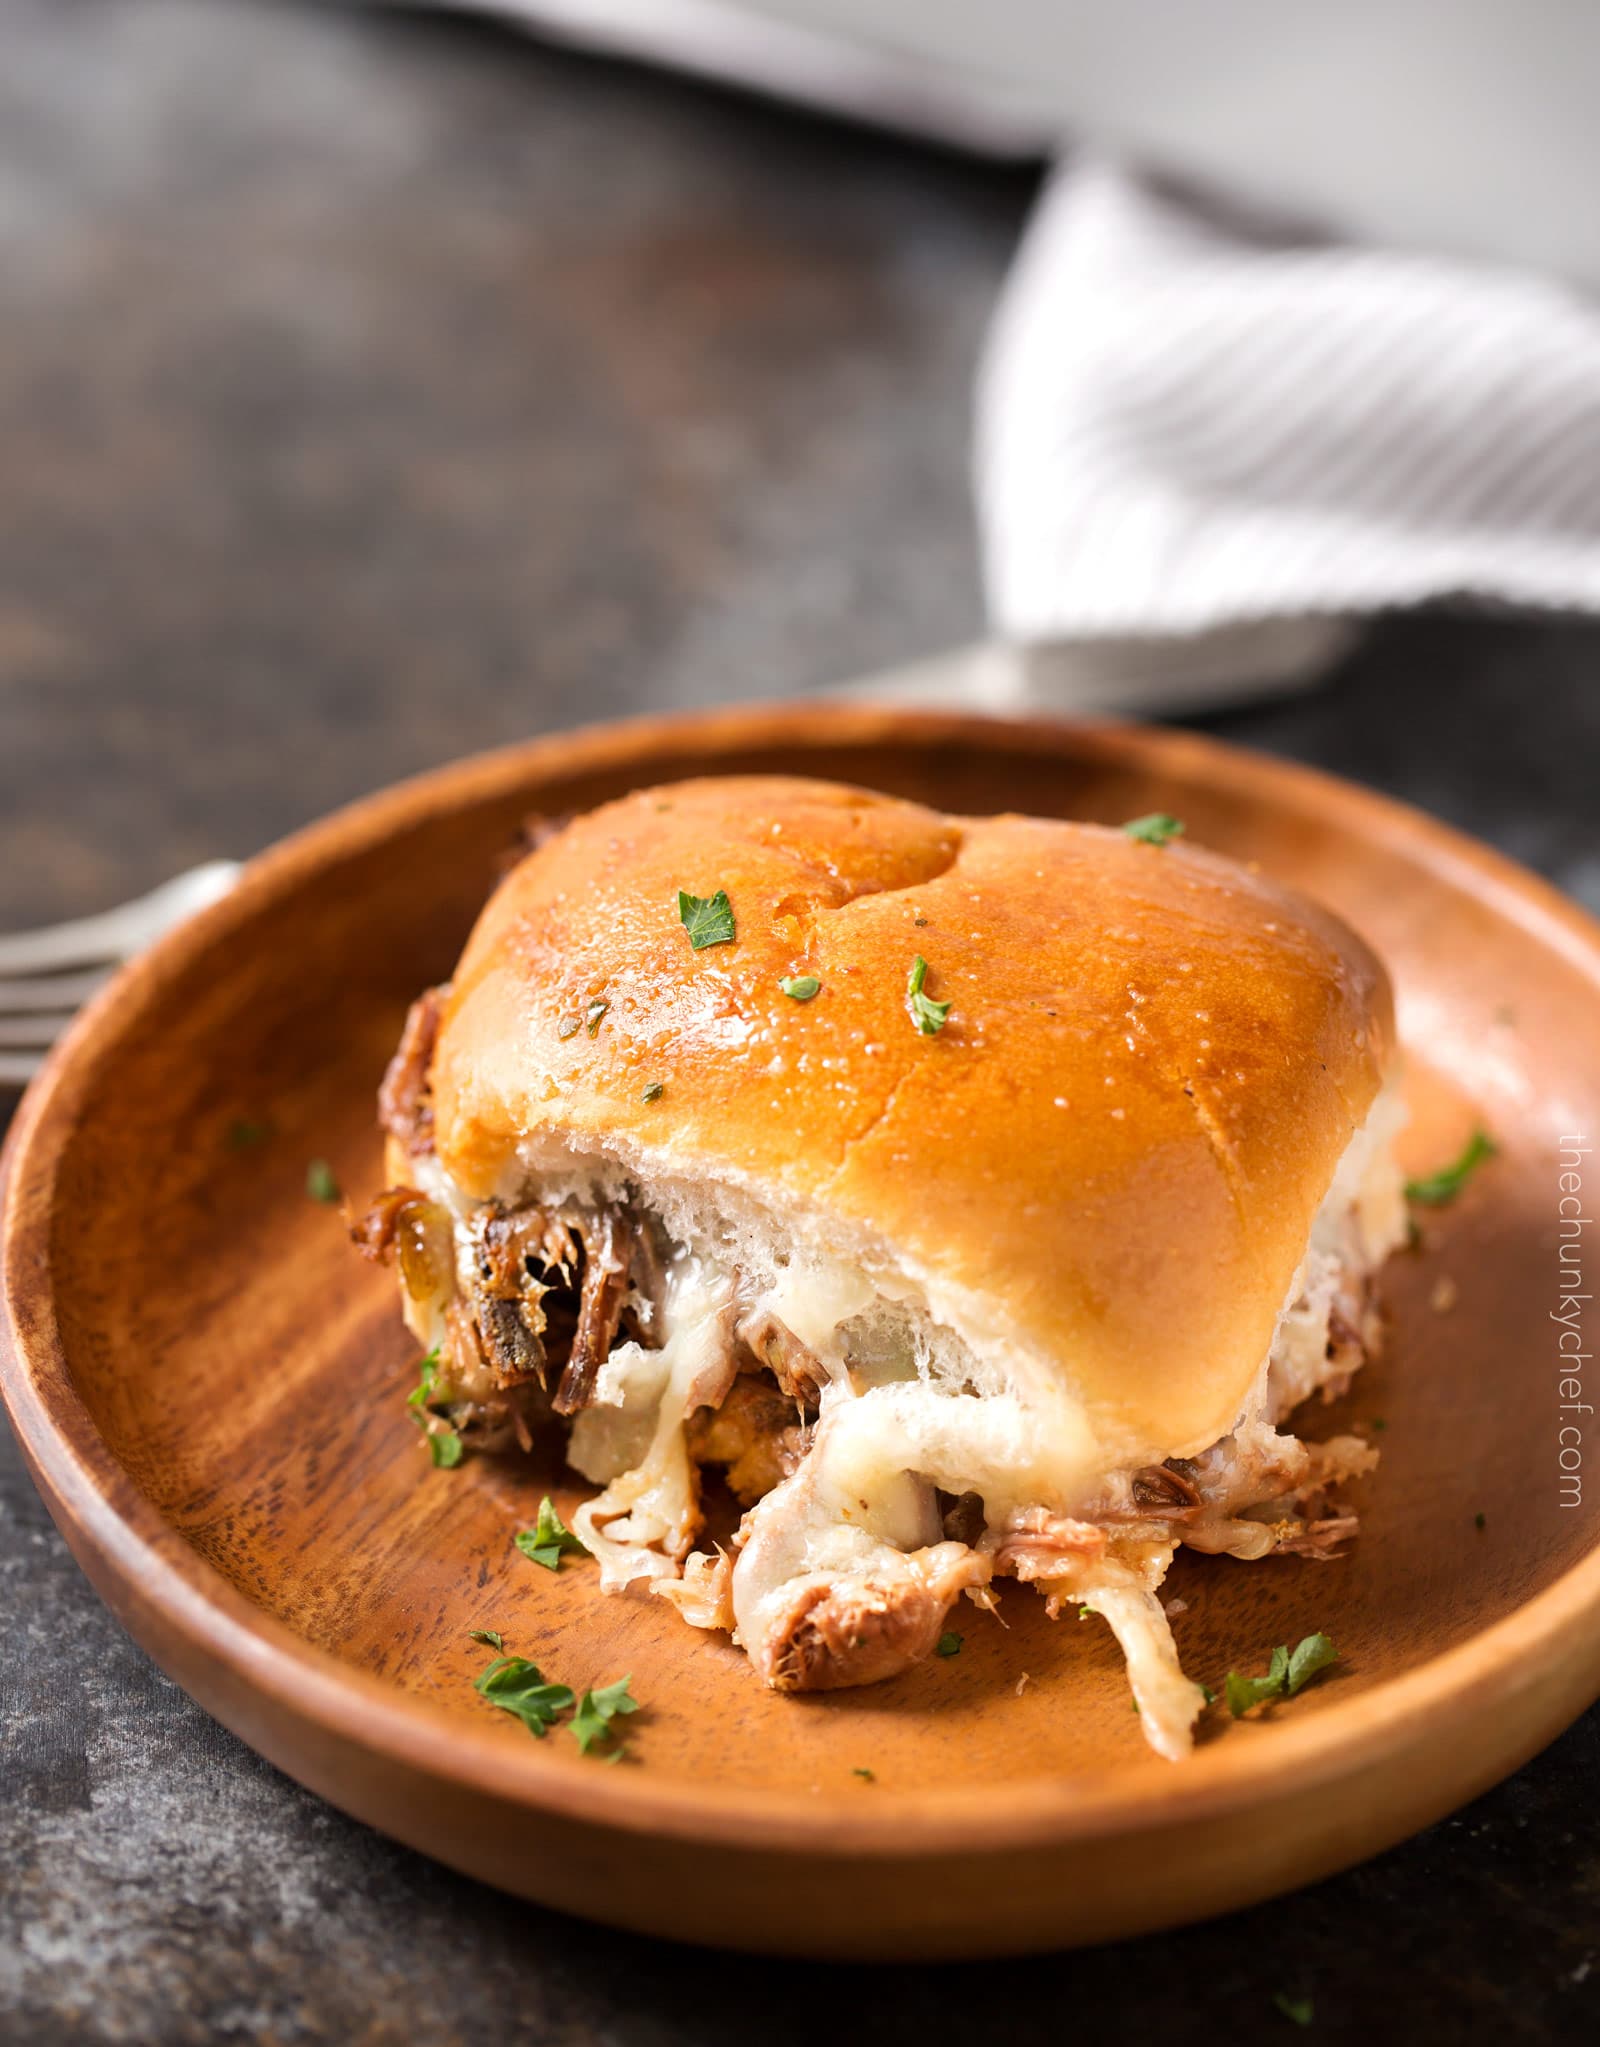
(976, 1197)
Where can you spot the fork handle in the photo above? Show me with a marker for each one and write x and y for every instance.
(117, 934)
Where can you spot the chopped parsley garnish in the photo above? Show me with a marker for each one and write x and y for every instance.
(1434, 1190)
(800, 987)
(517, 1686)
(246, 1132)
(707, 919)
(1084, 1612)
(491, 1638)
(548, 1538)
(1208, 1695)
(1245, 1692)
(1287, 1674)
(869, 1776)
(569, 1027)
(1156, 829)
(320, 1182)
(1299, 2011)
(597, 1710)
(654, 1092)
(427, 1377)
(925, 1013)
(1312, 1654)
(1378, 1422)
(444, 1445)
(1480, 1521)
(949, 1644)
(593, 1014)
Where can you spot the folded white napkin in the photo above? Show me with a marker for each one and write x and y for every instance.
(1210, 444)
(1207, 444)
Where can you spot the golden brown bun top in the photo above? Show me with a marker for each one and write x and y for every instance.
(1152, 1063)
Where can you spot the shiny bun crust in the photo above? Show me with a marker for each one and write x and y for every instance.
(1111, 1153)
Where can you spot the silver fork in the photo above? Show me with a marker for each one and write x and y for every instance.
(38, 999)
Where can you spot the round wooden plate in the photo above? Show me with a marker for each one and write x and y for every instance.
(210, 1388)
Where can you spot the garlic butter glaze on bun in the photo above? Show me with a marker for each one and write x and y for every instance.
(1023, 1293)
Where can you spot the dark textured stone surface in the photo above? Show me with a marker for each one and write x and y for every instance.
(370, 392)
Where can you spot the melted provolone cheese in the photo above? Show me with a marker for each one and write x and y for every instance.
(868, 1483)
(644, 1522)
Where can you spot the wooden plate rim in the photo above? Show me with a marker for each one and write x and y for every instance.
(1556, 1634)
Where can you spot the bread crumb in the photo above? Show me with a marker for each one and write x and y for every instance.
(1021, 1681)
(1173, 1607)
(1444, 1295)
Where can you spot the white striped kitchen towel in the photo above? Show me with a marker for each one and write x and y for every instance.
(1206, 446)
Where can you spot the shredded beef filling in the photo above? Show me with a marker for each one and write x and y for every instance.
(755, 1432)
(543, 1294)
(549, 1295)
(800, 1373)
(405, 1099)
(609, 1241)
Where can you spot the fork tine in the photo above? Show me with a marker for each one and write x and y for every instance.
(62, 945)
(117, 934)
(50, 991)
